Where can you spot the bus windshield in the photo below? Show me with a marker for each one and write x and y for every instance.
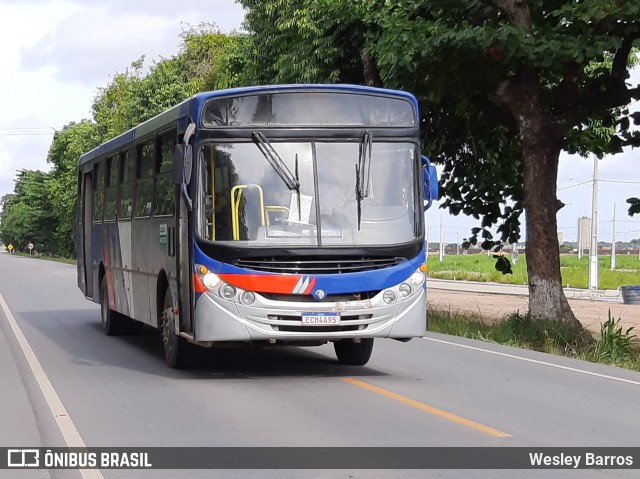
(243, 199)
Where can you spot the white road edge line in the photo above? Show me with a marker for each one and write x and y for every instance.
(535, 361)
(63, 420)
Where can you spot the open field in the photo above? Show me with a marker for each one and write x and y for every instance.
(575, 273)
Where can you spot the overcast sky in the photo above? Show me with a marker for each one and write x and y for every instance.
(55, 56)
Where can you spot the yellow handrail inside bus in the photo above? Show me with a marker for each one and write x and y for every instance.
(275, 208)
(236, 196)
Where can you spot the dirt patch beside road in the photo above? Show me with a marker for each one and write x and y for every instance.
(492, 307)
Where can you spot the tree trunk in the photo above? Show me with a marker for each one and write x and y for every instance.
(369, 70)
(541, 139)
(540, 171)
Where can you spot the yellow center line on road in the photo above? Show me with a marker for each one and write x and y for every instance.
(426, 408)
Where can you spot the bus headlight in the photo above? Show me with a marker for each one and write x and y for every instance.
(210, 280)
(227, 291)
(417, 278)
(247, 297)
(405, 290)
(389, 296)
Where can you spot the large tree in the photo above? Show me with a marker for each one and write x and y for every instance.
(505, 86)
(207, 60)
(67, 146)
(27, 216)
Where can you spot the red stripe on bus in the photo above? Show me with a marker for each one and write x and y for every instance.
(262, 283)
(311, 285)
(198, 286)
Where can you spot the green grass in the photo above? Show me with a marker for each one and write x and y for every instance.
(575, 273)
(58, 259)
(615, 346)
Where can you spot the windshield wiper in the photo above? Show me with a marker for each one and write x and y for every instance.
(363, 171)
(269, 152)
(297, 178)
(275, 161)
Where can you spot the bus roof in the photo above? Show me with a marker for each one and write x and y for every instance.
(191, 107)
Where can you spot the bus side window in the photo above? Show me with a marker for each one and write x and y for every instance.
(164, 200)
(144, 181)
(127, 170)
(98, 189)
(111, 191)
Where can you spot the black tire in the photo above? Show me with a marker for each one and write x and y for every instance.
(111, 320)
(176, 348)
(353, 354)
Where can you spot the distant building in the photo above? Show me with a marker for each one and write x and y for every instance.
(584, 232)
(560, 237)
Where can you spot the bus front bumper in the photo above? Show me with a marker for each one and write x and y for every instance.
(219, 320)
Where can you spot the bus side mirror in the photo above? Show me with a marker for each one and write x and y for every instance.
(430, 179)
(182, 171)
(178, 164)
(182, 161)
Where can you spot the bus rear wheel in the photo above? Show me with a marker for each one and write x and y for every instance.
(175, 346)
(353, 354)
(111, 320)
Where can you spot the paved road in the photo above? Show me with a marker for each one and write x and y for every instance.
(436, 391)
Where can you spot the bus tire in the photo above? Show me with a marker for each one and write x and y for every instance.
(176, 348)
(111, 320)
(353, 354)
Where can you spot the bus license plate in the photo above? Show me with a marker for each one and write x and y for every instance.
(320, 319)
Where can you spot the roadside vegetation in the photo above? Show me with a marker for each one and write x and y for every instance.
(575, 272)
(57, 259)
(613, 346)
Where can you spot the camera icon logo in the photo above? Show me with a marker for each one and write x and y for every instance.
(23, 458)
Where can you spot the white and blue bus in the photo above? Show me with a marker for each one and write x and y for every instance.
(288, 215)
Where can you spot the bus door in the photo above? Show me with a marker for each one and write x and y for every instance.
(182, 171)
(85, 233)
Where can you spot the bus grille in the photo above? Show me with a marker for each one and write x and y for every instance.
(332, 298)
(316, 265)
(284, 317)
(319, 329)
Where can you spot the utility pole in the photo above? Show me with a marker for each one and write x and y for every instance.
(457, 245)
(441, 241)
(593, 249)
(426, 252)
(613, 239)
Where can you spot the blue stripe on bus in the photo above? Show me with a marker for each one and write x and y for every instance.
(330, 283)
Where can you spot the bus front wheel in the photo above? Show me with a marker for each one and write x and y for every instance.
(111, 320)
(354, 354)
(175, 346)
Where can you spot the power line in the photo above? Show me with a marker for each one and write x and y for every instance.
(46, 131)
(571, 186)
(621, 181)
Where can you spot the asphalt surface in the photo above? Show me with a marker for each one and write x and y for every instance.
(434, 391)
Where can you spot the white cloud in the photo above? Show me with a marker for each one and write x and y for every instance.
(55, 55)
(99, 39)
